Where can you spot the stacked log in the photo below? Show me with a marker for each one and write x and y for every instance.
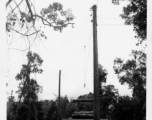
(83, 115)
(83, 100)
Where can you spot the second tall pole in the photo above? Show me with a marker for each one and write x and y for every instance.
(59, 117)
(96, 114)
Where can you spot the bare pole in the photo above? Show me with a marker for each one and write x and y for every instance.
(96, 113)
(59, 108)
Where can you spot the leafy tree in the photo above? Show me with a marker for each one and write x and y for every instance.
(135, 13)
(28, 105)
(28, 87)
(52, 14)
(102, 74)
(102, 79)
(133, 73)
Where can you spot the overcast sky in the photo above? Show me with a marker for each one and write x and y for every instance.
(65, 51)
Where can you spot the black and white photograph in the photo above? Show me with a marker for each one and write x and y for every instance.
(77, 60)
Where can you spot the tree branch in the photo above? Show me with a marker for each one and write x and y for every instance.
(29, 7)
(15, 8)
(19, 49)
(50, 24)
(8, 2)
(23, 33)
(17, 5)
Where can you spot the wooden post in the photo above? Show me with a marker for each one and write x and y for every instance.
(96, 112)
(59, 108)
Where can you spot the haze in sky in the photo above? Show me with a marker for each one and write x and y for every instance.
(71, 51)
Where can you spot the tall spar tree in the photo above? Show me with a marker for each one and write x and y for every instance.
(28, 88)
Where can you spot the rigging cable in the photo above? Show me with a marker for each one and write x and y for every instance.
(64, 43)
(67, 65)
(79, 51)
(88, 41)
(87, 61)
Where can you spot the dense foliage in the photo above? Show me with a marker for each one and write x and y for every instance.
(133, 73)
(135, 13)
(28, 87)
(102, 74)
(27, 107)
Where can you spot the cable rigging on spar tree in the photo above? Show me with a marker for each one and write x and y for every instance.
(95, 114)
(79, 100)
(84, 84)
(85, 72)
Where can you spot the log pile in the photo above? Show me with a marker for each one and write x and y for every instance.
(83, 115)
(83, 100)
